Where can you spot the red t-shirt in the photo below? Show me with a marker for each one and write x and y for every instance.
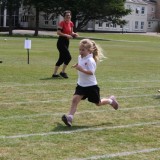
(66, 27)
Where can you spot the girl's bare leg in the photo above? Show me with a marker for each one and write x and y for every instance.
(75, 100)
(111, 100)
(67, 119)
(104, 101)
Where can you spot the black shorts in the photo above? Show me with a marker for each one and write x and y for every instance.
(91, 92)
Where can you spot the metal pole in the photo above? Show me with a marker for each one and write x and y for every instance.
(28, 55)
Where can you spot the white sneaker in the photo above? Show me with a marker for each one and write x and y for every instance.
(67, 120)
(114, 103)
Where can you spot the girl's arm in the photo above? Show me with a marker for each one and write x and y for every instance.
(79, 68)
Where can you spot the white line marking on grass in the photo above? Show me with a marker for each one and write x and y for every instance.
(83, 112)
(39, 92)
(135, 96)
(65, 100)
(125, 41)
(130, 81)
(58, 91)
(29, 102)
(114, 40)
(121, 154)
(79, 130)
(71, 83)
(35, 84)
(133, 88)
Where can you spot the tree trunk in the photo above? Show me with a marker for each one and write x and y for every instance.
(10, 23)
(37, 22)
(74, 21)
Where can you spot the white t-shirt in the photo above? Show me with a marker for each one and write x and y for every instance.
(87, 63)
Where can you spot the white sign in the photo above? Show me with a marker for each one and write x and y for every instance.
(27, 44)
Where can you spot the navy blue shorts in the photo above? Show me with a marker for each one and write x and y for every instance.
(91, 92)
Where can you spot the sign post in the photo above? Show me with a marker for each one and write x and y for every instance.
(27, 45)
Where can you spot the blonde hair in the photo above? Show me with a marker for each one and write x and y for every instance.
(94, 48)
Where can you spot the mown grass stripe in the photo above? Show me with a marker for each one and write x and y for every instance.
(71, 83)
(72, 90)
(79, 130)
(86, 111)
(121, 154)
(65, 100)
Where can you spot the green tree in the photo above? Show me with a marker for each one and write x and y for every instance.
(82, 10)
(85, 10)
(11, 6)
(39, 5)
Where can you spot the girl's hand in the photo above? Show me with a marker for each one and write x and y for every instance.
(79, 68)
(74, 66)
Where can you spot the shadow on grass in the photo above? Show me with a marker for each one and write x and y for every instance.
(50, 78)
(63, 127)
(157, 96)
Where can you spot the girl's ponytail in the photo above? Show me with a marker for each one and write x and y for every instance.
(97, 52)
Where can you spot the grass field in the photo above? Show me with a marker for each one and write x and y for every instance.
(32, 103)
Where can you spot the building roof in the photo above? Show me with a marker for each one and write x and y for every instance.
(148, 1)
(142, 1)
(137, 1)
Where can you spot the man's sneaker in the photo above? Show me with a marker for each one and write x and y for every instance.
(64, 75)
(55, 76)
(114, 103)
(67, 120)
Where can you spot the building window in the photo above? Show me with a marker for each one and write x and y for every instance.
(46, 22)
(100, 24)
(114, 25)
(54, 22)
(24, 18)
(136, 24)
(127, 25)
(137, 10)
(149, 25)
(142, 25)
(143, 10)
(107, 25)
(128, 7)
(46, 19)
